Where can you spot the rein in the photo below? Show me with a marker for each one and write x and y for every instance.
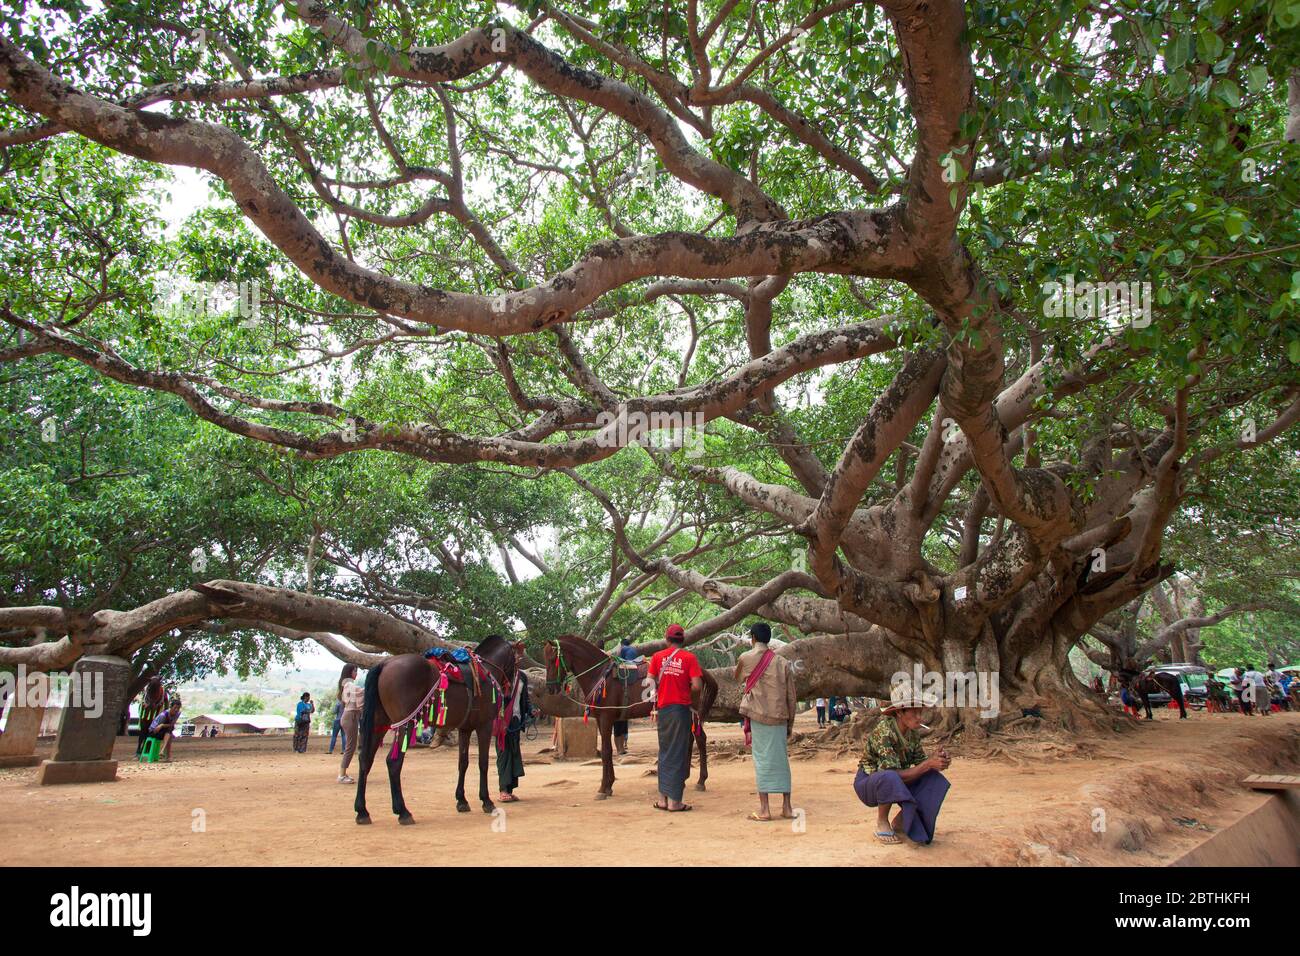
(561, 667)
(607, 662)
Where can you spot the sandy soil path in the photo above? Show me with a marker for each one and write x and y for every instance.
(1163, 788)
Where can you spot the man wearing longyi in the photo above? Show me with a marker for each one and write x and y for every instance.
(895, 769)
(768, 705)
(676, 672)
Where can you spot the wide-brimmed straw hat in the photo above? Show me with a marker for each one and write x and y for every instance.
(902, 695)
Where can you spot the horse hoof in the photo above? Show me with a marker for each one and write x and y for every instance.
(489, 806)
(363, 819)
(462, 807)
(406, 819)
(699, 786)
(600, 795)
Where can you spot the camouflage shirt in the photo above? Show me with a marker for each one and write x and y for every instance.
(889, 748)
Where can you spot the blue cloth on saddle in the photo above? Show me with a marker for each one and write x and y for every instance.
(460, 655)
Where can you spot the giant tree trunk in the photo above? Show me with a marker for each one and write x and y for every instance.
(975, 670)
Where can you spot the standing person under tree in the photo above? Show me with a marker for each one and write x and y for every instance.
(351, 696)
(336, 726)
(302, 722)
(510, 758)
(630, 657)
(676, 672)
(1255, 687)
(768, 705)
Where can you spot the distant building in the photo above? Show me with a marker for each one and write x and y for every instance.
(241, 724)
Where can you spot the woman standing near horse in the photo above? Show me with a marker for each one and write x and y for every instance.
(351, 695)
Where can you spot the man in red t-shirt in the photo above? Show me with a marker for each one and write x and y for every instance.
(677, 673)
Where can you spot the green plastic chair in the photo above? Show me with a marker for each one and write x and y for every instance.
(151, 752)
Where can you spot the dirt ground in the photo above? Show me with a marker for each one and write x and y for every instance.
(1160, 790)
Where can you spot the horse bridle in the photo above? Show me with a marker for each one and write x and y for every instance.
(561, 677)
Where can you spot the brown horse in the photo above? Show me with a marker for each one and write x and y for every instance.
(398, 689)
(612, 699)
(1152, 681)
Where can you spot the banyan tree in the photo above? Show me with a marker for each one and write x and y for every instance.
(943, 315)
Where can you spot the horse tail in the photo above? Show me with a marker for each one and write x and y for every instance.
(370, 702)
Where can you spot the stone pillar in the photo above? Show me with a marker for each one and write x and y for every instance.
(18, 742)
(88, 725)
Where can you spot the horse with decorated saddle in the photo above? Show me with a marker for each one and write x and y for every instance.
(458, 689)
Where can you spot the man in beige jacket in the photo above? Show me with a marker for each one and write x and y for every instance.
(768, 706)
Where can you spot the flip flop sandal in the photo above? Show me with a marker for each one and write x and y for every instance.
(757, 819)
(887, 837)
(682, 809)
(658, 806)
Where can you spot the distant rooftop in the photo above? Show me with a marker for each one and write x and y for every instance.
(260, 721)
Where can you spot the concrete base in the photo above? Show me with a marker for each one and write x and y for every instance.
(76, 771)
(28, 760)
(1269, 835)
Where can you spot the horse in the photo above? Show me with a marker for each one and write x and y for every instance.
(612, 699)
(403, 688)
(1153, 681)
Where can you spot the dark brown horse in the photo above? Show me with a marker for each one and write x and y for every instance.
(1152, 681)
(397, 690)
(612, 698)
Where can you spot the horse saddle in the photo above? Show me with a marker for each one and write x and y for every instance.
(631, 673)
(459, 667)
